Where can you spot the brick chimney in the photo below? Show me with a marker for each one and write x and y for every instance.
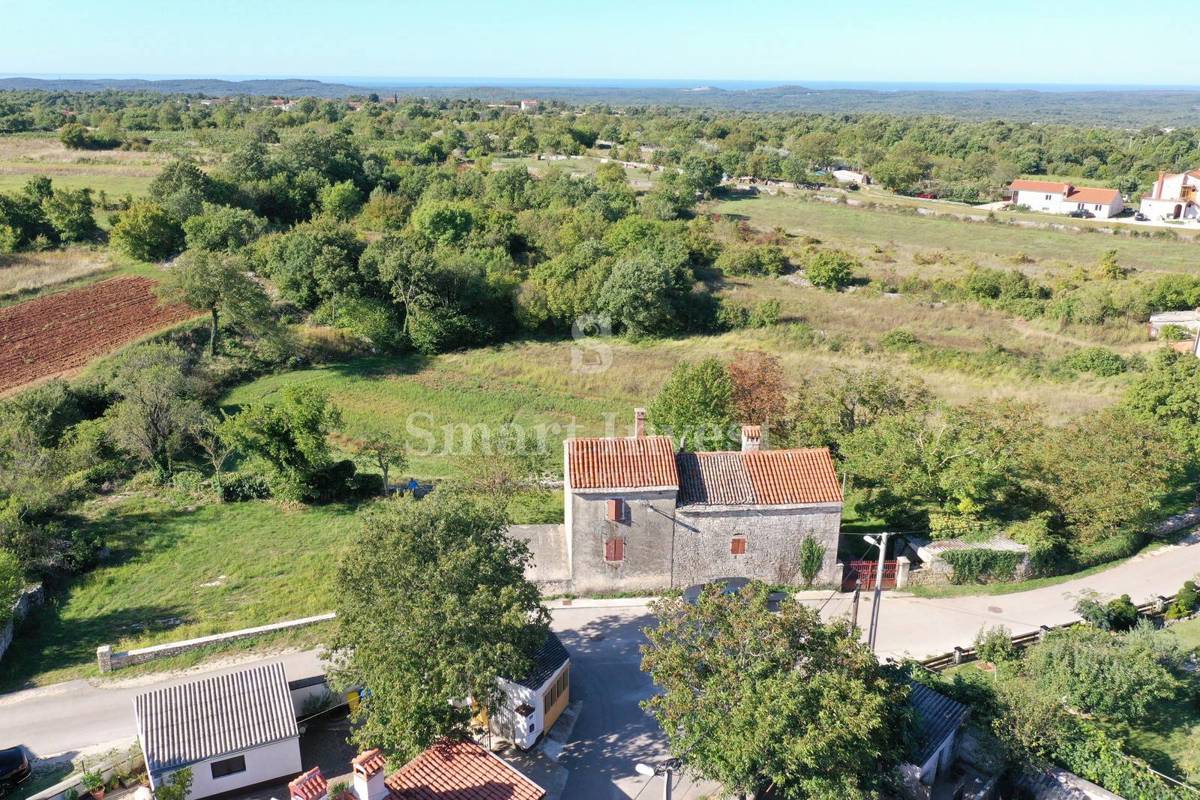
(751, 438)
(368, 775)
(639, 422)
(309, 786)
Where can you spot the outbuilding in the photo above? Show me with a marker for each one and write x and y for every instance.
(232, 731)
(534, 703)
(938, 721)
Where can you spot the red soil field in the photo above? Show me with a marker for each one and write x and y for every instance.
(61, 332)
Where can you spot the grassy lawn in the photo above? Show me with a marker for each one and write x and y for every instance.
(990, 244)
(180, 569)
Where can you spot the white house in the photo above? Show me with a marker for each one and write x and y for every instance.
(1173, 196)
(1064, 198)
(933, 751)
(535, 702)
(1188, 320)
(232, 731)
(851, 176)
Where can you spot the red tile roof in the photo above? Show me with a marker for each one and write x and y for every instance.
(461, 771)
(1040, 186)
(309, 786)
(634, 462)
(759, 477)
(1090, 195)
(369, 762)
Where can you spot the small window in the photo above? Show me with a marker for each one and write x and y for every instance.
(228, 766)
(617, 510)
(738, 546)
(1047, 197)
(614, 549)
(1098, 206)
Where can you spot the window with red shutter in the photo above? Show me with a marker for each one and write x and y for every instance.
(616, 510)
(738, 546)
(614, 549)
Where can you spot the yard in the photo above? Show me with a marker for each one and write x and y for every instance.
(179, 568)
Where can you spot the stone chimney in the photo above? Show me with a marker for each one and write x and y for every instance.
(639, 422)
(751, 438)
(309, 786)
(368, 775)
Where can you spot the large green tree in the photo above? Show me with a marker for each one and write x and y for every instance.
(696, 406)
(432, 607)
(218, 284)
(148, 232)
(157, 405)
(755, 698)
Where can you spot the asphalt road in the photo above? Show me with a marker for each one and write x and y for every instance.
(612, 733)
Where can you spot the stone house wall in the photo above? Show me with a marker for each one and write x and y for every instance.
(646, 532)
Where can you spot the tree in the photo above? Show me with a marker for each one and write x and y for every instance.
(148, 232)
(695, 406)
(222, 228)
(290, 435)
(1167, 396)
(812, 558)
(994, 645)
(341, 201)
(384, 452)
(70, 212)
(759, 391)
(466, 616)
(443, 222)
(830, 269)
(645, 295)
(752, 698)
(157, 405)
(830, 406)
(1099, 673)
(315, 262)
(177, 787)
(182, 188)
(218, 284)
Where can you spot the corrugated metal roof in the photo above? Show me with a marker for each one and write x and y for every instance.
(937, 718)
(632, 462)
(546, 661)
(206, 718)
(758, 477)
(460, 771)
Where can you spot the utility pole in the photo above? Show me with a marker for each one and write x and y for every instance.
(668, 773)
(882, 545)
(857, 592)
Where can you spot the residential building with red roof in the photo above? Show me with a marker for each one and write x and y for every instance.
(1173, 196)
(640, 516)
(1055, 197)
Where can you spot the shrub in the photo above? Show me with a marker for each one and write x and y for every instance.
(812, 557)
(898, 339)
(1097, 360)
(148, 232)
(1118, 614)
(240, 486)
(995, 645)
(1174, 333)
(1186, 602)
(764, 314)
(830, 269)
(979, 565)
(762, 259)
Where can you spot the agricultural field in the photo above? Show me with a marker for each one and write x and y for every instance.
(25, 274)
(62, 332)
(115, 172)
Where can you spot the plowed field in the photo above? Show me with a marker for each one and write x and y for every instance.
(61, 332)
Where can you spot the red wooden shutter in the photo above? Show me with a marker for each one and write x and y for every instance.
(614, 510)
(738, 546)
(614, 549)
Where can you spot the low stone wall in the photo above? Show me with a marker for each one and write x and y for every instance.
(29, 599)
(109, 661)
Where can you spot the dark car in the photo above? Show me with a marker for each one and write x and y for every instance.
(1140, 217)
(14, 769)
(1080, 214)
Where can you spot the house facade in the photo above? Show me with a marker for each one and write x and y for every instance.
(1173, 196)
(639, 516)
(534, 703)
(1064, 198)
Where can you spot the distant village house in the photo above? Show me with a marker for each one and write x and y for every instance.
(1173, 196)
(1064, 198)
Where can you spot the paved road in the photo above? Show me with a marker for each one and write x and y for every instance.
(612, 734)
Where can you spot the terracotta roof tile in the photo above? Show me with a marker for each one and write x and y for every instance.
(309, 786)
(634, 462)
(758, 477)
(369, 762)
(461, 771)
(1094, 195)
(1040, 186)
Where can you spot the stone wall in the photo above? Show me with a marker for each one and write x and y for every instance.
(550, 568)
(646, 531)
(703, 543)
(109, 661)
(29, 599)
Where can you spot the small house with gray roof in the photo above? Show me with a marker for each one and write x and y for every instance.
(640, 516)
(534, 703)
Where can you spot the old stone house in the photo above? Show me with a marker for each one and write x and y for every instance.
(640, 516)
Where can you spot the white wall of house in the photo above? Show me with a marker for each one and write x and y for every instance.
(1167, 208)
(265, 763)
(1050, 202)
(523, 731)
(941, 761)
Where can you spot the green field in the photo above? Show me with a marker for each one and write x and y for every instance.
(180, 568)
(990, 244)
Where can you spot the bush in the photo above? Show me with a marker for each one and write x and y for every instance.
(830, 269)
(1174, 333)
(239, 486)
(979, 565)
(1097, 360)
(1186, 602)
(147, 232)
(1118, 614)
(898, 339)
(995, 645)
(762, 259)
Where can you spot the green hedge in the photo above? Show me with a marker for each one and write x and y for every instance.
(979, 565)
(1096, 756)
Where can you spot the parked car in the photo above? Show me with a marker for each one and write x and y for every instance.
(14, 769)
(1080, 214)
(1140, 217)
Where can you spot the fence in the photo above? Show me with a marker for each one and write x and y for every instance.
(965, 655)
(109, 661)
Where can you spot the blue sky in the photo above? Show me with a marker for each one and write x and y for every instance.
(1016, 41)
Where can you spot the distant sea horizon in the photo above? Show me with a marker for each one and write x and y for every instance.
(464, 82)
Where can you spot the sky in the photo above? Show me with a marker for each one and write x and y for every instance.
(783, 41)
